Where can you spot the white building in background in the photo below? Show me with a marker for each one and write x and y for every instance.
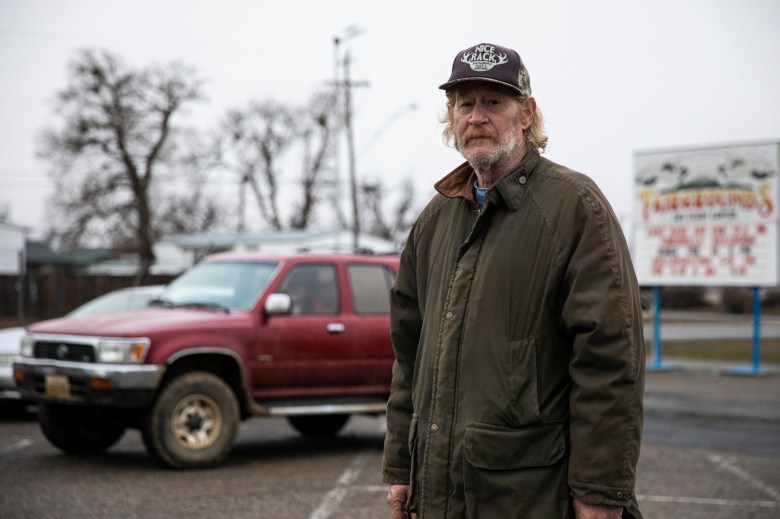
(12, 249)
(177, 253)
(281, 242)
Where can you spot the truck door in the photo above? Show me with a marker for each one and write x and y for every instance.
(308, 348)
(369, 291)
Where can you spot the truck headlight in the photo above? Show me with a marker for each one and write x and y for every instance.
(122, 350)
(6, 359)
(27, 346)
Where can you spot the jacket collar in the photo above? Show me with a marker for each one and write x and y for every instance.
(459, 183)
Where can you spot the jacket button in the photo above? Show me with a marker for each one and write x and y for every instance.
(522, 179)
(620, 495)
(434, 427)
(448, 315)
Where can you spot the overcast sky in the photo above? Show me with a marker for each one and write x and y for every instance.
(611, 77)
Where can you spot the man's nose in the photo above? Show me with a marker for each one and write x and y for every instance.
(478, 115)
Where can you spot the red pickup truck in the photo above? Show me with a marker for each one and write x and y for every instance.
(238, 335)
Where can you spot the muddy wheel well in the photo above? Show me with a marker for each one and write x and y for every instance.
(223, 366)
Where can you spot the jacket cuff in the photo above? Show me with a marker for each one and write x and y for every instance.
(600, 495)
(393, 476)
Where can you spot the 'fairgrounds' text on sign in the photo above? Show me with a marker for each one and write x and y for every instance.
(707, 217)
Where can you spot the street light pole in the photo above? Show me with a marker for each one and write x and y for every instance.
(343, 118)
(382, 129)
(353, 191)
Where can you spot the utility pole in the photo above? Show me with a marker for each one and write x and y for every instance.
(338, 122)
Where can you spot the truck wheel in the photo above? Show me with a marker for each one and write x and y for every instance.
(193, 422)
(319, 426)
(79, 430)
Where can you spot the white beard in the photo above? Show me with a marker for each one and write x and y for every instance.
(482, 160)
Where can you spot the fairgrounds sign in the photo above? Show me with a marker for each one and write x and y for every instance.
(707, 216)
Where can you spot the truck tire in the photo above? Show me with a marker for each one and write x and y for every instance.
(193, 422)
(319, 426)
(79, 430)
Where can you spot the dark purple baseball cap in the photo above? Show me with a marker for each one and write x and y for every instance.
(493, 63)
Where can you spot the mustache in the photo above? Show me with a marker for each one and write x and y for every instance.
(476, 133)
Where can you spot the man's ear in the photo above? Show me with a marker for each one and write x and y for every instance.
(528, 108)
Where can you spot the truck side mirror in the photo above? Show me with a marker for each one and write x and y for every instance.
(278, 304)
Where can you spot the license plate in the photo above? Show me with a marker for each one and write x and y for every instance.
(57, 386)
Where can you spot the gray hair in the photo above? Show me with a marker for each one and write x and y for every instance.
(535, 137)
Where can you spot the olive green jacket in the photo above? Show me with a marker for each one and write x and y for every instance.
(519, 366)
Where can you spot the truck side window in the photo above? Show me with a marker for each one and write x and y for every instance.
(313, 289)
(370, 288)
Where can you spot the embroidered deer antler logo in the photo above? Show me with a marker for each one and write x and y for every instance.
(484, 57)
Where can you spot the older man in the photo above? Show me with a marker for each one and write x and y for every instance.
(517, 327)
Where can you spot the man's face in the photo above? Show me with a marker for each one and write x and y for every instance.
(488, 126)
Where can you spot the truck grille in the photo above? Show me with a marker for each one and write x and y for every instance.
(64, 351)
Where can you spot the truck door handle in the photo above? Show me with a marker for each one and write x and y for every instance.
(335, 328)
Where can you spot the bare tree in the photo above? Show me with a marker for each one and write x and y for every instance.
(317, 137)
(254, 144)
(190, 209)
(251, 143)
(115, 141)
(396, 225)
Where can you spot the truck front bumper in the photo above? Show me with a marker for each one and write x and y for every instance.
(120, 385)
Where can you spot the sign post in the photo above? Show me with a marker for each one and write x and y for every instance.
(658, 363)
(709, 217)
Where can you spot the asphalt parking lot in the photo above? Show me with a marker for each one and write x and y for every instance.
(711, 446)
(711, 450)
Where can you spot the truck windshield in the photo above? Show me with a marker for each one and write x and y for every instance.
(234, 285)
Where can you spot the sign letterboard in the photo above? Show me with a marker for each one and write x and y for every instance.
(707, 217)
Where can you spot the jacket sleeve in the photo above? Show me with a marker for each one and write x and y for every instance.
(602, 314)
(405, 325)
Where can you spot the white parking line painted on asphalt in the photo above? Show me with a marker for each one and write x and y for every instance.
(743, 474)
(708, 501)
(16, 446)
(382, 427)
(336, 495)
(372, 488)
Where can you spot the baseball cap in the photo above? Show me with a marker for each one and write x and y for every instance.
(493, 63)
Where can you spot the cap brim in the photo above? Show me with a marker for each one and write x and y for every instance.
(449, 85)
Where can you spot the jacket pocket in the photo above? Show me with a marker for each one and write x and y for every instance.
(522, 378)
(515, 473)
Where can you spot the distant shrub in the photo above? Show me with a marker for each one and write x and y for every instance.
(736, 300)
(646, 298)
(771, 298)
(683, 297)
